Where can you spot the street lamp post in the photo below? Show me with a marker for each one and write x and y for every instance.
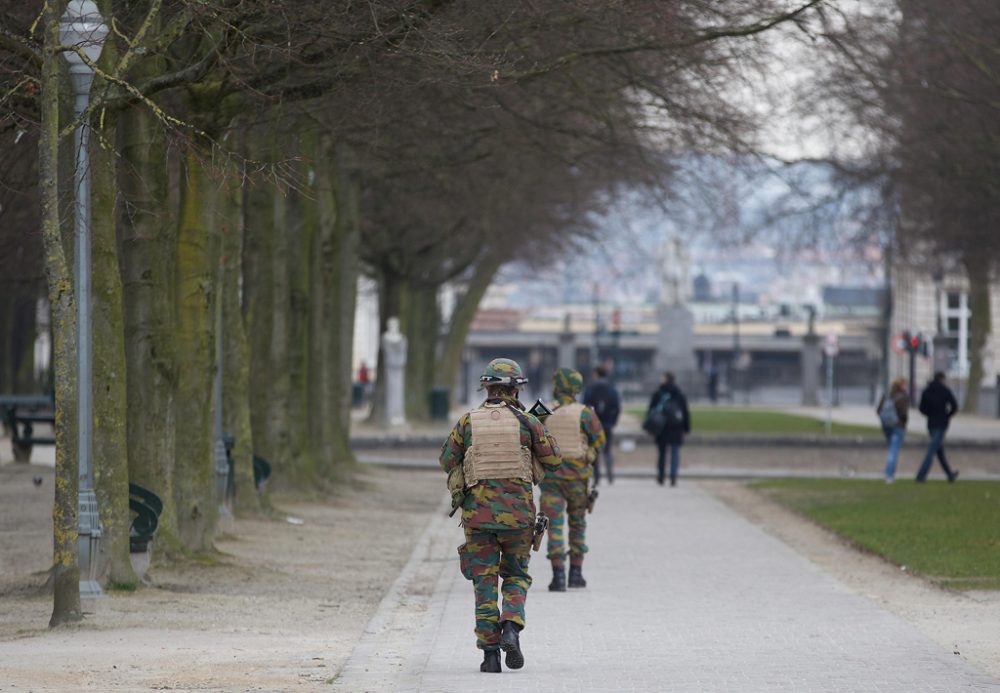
(83, 28)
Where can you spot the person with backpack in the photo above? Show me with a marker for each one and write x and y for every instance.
(668, 420)
(893, 409)
(603, 398)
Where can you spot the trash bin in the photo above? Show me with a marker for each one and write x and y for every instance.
(439, 404)
(357, 394)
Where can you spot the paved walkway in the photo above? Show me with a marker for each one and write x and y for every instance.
(684, 595)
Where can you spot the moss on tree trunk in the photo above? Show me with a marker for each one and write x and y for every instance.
(236, 351)
(197, 254)
(148, 237)
(65, 568)
(109, 387)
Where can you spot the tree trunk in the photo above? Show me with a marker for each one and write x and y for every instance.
(110, 392)
(977, 269)
(65, 568)
(236, 353)
(303, 365)
(335, 279)
(149, 236)
(266, 308)
(195, 478)
(421, 323)
(344, 305)
(460, 322)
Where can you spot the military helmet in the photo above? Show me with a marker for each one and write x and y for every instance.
(567, 380)
(502, 372)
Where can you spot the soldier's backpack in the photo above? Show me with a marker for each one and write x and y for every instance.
(887, 413)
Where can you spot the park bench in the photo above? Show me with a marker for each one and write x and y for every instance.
(20, 414)
(147, 507)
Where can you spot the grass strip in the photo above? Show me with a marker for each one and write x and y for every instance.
(735, 420)
(948, 533)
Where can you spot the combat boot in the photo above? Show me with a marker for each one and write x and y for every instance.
(491, 662)
(558, 583)
(576, 576)
(511, 644)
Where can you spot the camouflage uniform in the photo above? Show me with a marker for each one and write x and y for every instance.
(498, 517)
(565, 487)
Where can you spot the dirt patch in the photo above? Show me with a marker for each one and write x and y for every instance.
(280, 606)
(963, 622)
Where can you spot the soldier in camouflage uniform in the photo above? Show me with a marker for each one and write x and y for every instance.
(579, 434)
(493, 456)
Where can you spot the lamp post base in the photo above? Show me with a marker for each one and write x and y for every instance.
(89, 545)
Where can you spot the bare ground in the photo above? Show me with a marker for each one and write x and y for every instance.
(278, 608)
(966, 622)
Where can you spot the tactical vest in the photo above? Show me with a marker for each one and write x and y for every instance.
(496, 451)
(564, 426)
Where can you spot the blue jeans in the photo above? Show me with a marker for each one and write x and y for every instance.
(661, 461)
(894, 436)
(934, 447)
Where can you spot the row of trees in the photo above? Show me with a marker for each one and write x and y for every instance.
(917, 84)
(250, 158)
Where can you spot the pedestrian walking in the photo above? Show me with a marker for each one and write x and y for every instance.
(668, 420)
(578, 432)
(893, 410)
(938, 404)
(493, 456)
(603, 398)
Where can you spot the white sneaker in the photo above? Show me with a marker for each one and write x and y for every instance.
(890, 479)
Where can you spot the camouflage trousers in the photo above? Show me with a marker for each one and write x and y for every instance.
(569, 496)
(485, 558)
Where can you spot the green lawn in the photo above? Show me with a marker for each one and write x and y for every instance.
(949, 533)
(736, 420)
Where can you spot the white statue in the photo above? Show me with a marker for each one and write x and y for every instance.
(394, 352)
(675, 288)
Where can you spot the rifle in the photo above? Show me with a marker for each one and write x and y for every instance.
(541, 524)
(539, 410)
(591, 500)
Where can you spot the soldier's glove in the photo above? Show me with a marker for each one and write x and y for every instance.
(456, 480)
(457, 498)
(591, 455)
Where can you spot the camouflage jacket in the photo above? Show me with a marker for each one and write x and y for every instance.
(590, 426)
(496, 504)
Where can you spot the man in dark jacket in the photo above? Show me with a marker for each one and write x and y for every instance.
(672, 401)
(938, 404)
(603, 398)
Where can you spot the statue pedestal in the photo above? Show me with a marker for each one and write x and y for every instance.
(675, 345)
(395, 411)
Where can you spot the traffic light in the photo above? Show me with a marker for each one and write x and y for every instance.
(915, 343)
